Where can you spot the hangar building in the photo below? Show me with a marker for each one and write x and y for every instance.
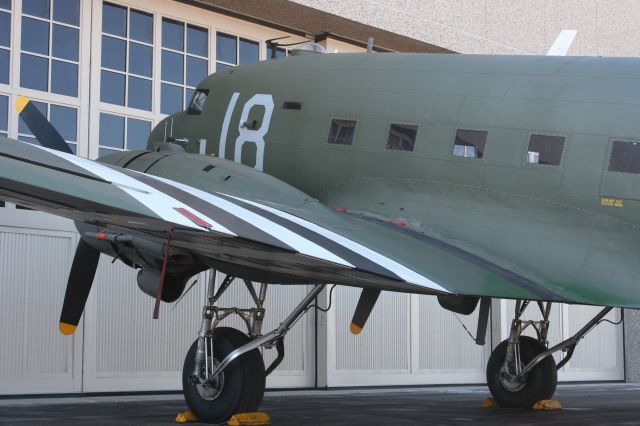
(105, 72)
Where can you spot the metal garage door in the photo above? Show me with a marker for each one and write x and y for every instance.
(409, 339)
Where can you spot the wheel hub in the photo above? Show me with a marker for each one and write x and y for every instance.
(213, 389)
(510, 381)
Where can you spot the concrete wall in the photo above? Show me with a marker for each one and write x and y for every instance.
(605, 27)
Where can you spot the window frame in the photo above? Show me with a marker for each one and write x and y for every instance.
(528, 142)
(355, 130)
(400, 123)
(465, 158)
(609, 156)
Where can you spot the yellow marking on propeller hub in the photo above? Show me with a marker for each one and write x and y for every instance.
(355, 329)
(21, 102)
(67, 329)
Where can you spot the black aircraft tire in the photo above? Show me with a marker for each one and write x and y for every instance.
(540, 382)
(254, 367)
(232, 397)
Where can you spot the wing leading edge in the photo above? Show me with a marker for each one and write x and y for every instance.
(223, 227)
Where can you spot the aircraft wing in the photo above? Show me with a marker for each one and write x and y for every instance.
(276, 233)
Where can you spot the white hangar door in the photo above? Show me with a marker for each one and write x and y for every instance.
(408, 340)
(35, 257)
(126, 350)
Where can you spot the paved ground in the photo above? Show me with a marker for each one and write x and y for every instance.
(583, 405)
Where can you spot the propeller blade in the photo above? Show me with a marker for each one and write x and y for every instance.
(44, 131)
(83, 271)
(367, 301)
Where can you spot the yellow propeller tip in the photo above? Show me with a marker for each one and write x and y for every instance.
(21, 102)
(67, 329)
(355, 329)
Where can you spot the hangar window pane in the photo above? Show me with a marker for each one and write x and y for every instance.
(342, 131)
(111, 131)
(197, 41)
(114, 19)
(249, 52)
(4, 114)
(34, 72)
(67, 11)
(545, 149)
(173, 34)
(625, 157)
(226, 48)
(137, 133)
(112, 87)
(5, 41)
(64, 78)
(5, 29)
(402, 137)
(469, 143)
(4, 66)
(39, 8)
(139, 93)
(141, 25)
(65, 42)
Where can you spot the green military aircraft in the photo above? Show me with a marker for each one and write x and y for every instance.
(467, 177)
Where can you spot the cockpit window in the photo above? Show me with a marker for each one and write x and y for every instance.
(197, 102)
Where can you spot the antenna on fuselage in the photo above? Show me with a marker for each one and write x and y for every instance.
(370, 45)
(305, 46)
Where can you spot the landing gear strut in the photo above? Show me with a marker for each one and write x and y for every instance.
(521, 370)
(224, 372)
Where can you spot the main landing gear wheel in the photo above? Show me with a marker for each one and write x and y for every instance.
(238, 389)
(537, 384)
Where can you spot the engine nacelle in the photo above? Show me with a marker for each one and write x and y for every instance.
(149, 281)
(464, 305)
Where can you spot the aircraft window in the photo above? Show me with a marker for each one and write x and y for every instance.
(625, 157)
(402, 137)
(342, 131)
(197, 102)
(470, 143)
(545, 149)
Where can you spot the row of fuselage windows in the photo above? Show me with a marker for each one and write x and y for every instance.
(543, 149)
